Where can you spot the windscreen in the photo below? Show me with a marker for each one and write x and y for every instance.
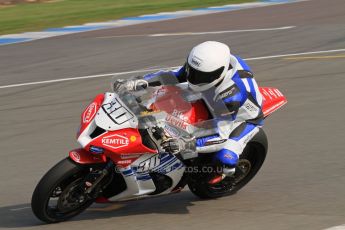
(175, 107)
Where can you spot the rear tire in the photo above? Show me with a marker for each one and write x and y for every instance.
(64, 178)
(251, 159)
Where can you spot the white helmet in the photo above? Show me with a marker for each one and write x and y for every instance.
(207, 65)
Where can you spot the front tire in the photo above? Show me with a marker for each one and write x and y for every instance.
(63, 182)
(249, 164)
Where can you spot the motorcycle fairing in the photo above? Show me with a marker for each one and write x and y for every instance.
(273, 99)
(122, 146)
(89, 113)
(119, 136)
(82, 156)
(138, 179)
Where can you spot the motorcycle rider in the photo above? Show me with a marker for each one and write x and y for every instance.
(212, 70)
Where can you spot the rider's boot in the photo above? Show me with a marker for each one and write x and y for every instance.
(228, 160)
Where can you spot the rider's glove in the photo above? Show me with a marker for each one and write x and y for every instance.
(129, 85)
(171, 146)
(177, 145)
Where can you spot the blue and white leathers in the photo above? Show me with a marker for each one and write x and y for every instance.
(240, 95)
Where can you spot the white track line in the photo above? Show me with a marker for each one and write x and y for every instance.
(295, 54)
(221, 32)
(80, 78)
(200, 33)
(18, 209)
(339, 227)
(156, 69)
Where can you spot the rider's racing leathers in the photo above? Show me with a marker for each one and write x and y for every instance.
(240, 95)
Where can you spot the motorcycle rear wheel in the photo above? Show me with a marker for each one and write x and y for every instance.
(249, 164)
(60, 193)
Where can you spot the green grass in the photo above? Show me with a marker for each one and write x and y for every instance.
(38, 16)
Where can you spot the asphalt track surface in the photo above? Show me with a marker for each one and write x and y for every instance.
(301, 185)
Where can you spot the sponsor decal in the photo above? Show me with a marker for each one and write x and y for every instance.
(228, 92)
(89, 112)
(176, 122)
(196, 61)
(95, 149)
(125, 162)
(133, 138)
(251, 107)
(129, 156)
(115, 141)
(172, 131)
(179, 114)
(228, 156)
(215, 142)
(76, 155)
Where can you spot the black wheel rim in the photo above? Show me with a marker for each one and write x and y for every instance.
(228, 184)
(67, 198)
(72, 197)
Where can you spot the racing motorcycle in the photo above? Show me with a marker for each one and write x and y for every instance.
(120, 157)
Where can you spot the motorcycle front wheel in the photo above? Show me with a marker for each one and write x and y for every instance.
(60, 194)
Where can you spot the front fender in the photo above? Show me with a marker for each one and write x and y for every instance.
(81, 156)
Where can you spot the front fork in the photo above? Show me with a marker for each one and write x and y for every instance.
(99, 170)
(94, 180)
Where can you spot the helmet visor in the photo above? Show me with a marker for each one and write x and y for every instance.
(197, 77)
